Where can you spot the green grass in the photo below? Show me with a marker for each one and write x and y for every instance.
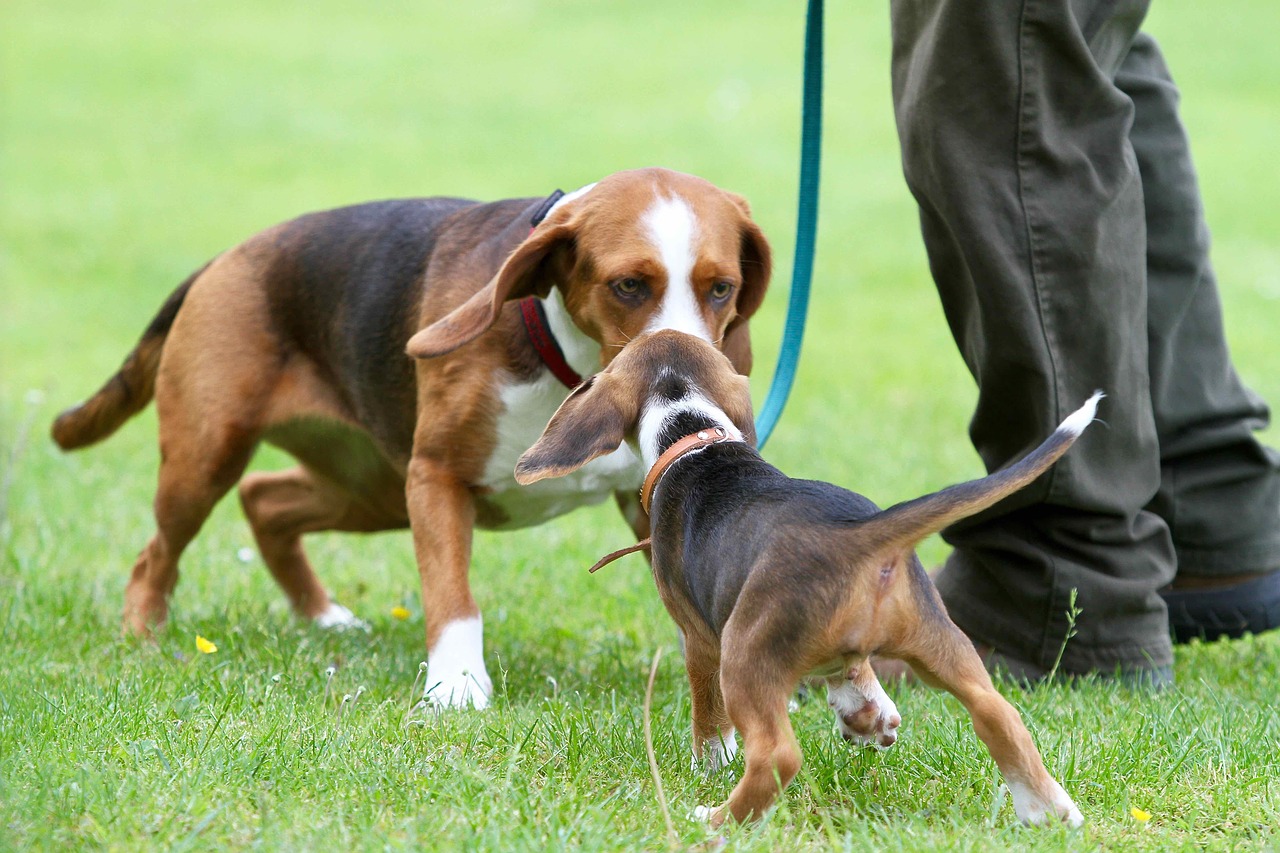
(137, 139)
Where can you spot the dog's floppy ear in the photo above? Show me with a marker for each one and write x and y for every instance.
(522, 275)
(739, 411)
(736, 345)
(756, 262)
(592, 421)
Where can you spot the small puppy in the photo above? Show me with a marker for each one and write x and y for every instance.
(774, 580)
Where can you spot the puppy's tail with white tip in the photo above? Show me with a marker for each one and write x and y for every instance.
(907, 523)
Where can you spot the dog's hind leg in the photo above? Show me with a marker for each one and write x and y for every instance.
(213, 382)
(194, 475)
(282, 506)
(944, 657)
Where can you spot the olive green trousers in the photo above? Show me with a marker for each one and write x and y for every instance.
(1066, 236)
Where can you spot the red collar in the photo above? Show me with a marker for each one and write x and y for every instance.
(535, 323)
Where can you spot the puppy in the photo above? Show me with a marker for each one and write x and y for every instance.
(773, 580)
(298, 337)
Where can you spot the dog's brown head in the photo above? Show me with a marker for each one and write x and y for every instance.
(639, 251)
(655, 377)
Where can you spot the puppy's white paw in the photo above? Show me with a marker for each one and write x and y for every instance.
(866, 717)
(717, 753)
(338, 618)
(456, 675)
(1048, 805)
(703, 813)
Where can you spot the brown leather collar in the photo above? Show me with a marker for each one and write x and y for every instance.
(694, 441)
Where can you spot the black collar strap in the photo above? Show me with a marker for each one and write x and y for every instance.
(535, 316)
(545, 208)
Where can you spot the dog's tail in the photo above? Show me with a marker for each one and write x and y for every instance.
(130, 389)
(903, 526)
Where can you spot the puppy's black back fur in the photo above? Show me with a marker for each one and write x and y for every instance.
(725, 509)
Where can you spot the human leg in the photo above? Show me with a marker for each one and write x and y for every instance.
(1219, 487)
(1016, 145)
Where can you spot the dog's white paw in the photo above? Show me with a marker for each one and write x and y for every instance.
(717, 753)
(465, 690)
(456, 675)
(866, 717)
(1050, 805)
(703, 813)
(338, 618)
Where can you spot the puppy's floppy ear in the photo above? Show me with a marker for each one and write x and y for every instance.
(592, 421)
(523, 274)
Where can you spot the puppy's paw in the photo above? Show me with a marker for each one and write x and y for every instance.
(865, 717)
(335, 617)
(717, 754)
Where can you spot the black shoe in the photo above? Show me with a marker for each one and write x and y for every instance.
(1210, 613)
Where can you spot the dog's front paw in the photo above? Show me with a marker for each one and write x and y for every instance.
(335, 617)
(865, 717)
(710, 815)
(456, 676)
(464, 689)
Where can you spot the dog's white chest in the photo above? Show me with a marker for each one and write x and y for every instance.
(506, 505)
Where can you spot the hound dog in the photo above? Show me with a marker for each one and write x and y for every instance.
(773, 580)
(298, 337)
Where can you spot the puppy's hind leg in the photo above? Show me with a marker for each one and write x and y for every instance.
(943, 656)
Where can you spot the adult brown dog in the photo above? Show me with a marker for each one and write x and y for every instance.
(773, 580)
(298, 336)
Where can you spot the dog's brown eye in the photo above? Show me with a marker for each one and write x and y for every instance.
(720, 290)
(628, 286)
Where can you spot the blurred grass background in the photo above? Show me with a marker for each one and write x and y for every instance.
(138, 139)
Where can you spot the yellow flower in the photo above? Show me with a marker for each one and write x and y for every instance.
(400, 613)
(204, 646)
(1139, 815)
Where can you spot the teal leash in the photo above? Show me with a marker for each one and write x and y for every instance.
(784, 373)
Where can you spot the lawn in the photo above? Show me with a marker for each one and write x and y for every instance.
(138, 139)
